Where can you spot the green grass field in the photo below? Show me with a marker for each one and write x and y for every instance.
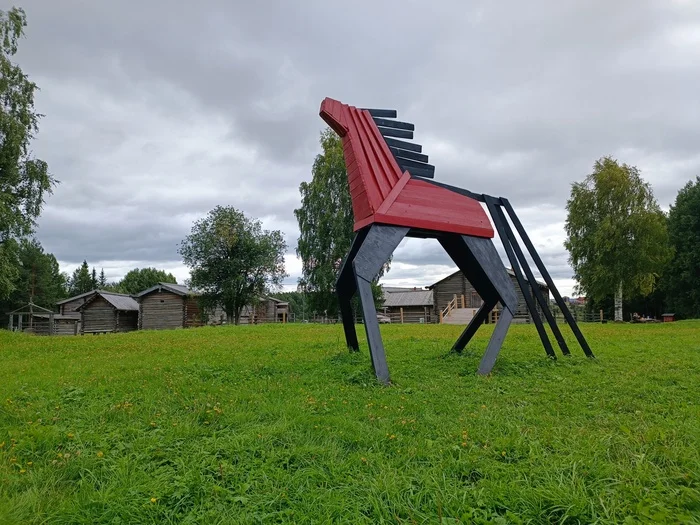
(279, 423)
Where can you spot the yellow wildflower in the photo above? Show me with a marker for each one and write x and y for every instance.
(100, 454)
(153, 500)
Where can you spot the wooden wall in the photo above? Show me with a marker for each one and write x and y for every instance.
(457, 284)
(98, 315)
(127, 321)
(411, 314)
(161, 311)
(72, 306)
(193, 313)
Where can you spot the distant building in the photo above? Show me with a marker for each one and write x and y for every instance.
(468, 300)
(408, 305)
(108, 312)
(167, 305)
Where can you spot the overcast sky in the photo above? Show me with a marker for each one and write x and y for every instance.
(158, 111)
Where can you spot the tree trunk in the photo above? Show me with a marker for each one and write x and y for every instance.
(618, 303)
(229, 317)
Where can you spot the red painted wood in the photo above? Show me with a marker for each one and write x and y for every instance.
(381, 193)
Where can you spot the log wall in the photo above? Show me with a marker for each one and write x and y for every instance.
(98, 316)
(161, 311)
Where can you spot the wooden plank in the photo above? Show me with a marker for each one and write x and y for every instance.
(399, 133)
(418, 169)
(396, 124)
(394, 193)
(406, 154)
(383, 169)
(384, 113)
(374, 172)
(410, 146)
(388, 164)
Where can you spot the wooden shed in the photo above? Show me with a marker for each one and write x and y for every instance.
(166, 306)
(456, 284)
(408, 305)
(108, 312)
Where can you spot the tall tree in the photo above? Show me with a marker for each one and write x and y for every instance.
(102, 280)
(616, 234)
(24, 180)
(682, 278)
(140, 279)
(81, 280)
(326, 225)
(232, 260)
(39, 278)
(93, 276)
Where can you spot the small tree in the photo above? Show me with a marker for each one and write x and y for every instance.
(102, 280)
(81, 280)
(232, 260)
(682, 278)
(140, 279)
(24, 180)
(616, 234)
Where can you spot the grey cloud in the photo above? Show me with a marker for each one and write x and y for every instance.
(158, 111)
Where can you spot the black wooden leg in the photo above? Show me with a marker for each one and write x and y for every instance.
(498, 219)
(346, 287)
(473, 326)
(496, 341)
(547, 278)
(478, 259)
(533, 285)
(377, 247)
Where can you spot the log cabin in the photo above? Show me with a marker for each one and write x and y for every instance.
(167, 305)
(408, 305)
(108, 312)
(468, 300)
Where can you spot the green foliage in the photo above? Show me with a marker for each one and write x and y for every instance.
(616, 232)
(37, 278)
(102, 280)
(81, 281)
(280, 424)
(24, 180)
(232, 260)
(140, 279)
(682, 279)
(326, 226)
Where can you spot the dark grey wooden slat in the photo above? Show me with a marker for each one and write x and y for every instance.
(397, 124)
(409, 164)
(408, 154)
(385, 113)
(400, 133)
(420, 172)
(547, 278)
(410, 146)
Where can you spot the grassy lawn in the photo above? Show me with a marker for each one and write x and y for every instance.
(269, 424)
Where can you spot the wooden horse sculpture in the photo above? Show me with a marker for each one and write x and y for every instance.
(393, 196)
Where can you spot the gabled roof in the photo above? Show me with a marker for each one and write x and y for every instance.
(119, 301)
(509, 270)
(76, 297)
(177, 289)
(409, 298)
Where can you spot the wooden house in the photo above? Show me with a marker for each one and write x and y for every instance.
(71, 304)
(456, 284)
(108, 312)
(408, 305)
(166, 306)
(266, 310)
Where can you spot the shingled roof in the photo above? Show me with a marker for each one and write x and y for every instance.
(178, 289)
(119, 301)
(413, 297)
